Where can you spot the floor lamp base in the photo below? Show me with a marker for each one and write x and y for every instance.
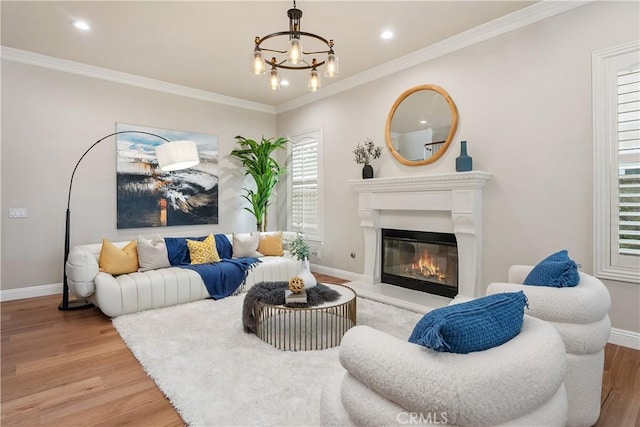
(75, 305)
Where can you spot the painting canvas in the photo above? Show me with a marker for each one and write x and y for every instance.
(150, 197)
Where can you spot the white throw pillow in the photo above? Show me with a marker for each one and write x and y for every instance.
(246, 245)
(152, 254)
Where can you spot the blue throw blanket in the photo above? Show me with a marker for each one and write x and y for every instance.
(221, 278)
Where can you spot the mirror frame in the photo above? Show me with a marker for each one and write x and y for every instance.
(452, 130)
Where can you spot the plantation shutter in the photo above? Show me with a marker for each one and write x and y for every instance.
(628, 180)
(304, 186)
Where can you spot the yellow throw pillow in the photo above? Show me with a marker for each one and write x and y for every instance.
(204, 252)
(271, 244)
(114, 260)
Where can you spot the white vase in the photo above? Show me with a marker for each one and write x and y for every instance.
(305, 274)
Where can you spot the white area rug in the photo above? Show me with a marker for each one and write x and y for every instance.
(215, 374)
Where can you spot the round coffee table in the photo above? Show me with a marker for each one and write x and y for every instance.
(310, 328)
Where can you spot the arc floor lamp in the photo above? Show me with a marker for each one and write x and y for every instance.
(172, 156)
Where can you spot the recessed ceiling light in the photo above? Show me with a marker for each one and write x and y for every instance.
(81, 25)
(423, 122)
(284, 82)
(387, 34)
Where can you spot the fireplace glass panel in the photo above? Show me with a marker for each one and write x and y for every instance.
(422, 261)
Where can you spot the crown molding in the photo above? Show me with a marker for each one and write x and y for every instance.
(529, 15)
(31, 58)
(521, 18)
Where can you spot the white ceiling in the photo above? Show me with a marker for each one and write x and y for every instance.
(207, 45)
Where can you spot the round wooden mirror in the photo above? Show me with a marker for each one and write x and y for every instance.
(421, 125)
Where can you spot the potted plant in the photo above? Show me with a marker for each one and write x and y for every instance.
(364, 153)
(265, 171)
(300, 249)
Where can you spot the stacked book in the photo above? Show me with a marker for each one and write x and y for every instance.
(297, 298)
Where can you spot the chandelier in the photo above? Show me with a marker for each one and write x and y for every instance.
(295, 55)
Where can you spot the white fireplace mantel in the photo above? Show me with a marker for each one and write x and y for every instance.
(448, 202)
(432, 182)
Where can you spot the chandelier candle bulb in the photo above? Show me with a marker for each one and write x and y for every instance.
(273, 81)
(257, 63)
(314, 81)
(295, 51)
(332, 66)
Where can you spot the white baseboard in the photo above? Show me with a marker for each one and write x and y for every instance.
(620, 337)
(31, 292)
(625, 338)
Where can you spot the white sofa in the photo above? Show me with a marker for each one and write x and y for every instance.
(388, 381)
(580, 314)
(133, 292)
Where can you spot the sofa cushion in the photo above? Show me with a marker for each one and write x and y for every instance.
(114, 260)
(246, 245)
(471, 326)
(270, 244)
(556, 270)
(203, 252)
(152, 254)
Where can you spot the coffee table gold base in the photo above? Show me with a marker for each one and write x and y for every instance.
(312, 328)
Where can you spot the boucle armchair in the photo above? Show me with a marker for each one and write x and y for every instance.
(389, 381)
(580, 314)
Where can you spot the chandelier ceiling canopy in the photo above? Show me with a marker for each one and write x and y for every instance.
(294, 58)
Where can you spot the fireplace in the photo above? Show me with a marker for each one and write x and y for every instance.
(419, 260)
(439, 203)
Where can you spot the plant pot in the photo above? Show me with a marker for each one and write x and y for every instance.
(367, 172)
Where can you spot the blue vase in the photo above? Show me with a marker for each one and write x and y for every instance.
(464, 162)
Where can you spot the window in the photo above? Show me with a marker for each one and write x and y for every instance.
(304, 184)
(616, 118)
(629, 161)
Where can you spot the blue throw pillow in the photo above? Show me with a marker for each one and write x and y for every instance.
(177, 249)
(223, 245)
(472, 326)
(557, 270)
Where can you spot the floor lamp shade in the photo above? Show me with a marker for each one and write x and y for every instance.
(176, 155)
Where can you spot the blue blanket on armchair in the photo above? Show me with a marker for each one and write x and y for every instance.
(221, 278)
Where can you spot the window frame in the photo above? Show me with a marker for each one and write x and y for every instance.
(608, 263)
(315, 133)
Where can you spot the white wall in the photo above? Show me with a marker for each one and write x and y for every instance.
(49, 119)
(524, 100)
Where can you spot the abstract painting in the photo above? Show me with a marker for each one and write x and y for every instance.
(150, 197)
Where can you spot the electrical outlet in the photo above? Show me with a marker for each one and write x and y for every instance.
(17, 212)
(318, 254)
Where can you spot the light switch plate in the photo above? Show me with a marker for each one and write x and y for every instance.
(17, 212)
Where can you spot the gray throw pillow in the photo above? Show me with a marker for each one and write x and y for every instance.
(152, 254)
(246, 245)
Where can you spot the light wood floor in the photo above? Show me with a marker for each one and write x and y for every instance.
(72, 369)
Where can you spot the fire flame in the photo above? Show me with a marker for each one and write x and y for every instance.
(427, 267)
